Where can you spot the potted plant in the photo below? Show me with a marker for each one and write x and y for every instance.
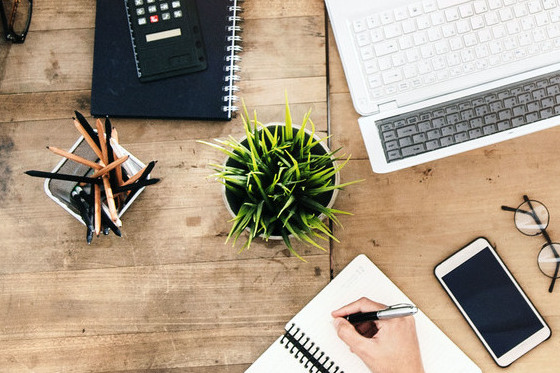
(280, 182)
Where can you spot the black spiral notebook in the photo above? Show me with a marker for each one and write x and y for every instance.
(208, 94)
(310, 343)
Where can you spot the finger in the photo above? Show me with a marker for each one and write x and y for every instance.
(348, 334)
(361, 305)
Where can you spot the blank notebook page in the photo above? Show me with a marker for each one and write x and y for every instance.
(361, 278)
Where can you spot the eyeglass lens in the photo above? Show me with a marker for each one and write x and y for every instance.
(17, 14)
(528, 216)
(549, 261)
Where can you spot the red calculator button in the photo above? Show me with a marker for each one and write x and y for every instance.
(154, 19)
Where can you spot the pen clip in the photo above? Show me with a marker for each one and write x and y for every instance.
(398, 306)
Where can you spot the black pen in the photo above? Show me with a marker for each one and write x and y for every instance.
(87, 127)
(397, 310)
(51, 175)
(83, 207)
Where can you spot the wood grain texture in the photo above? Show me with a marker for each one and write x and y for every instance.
(169, 295)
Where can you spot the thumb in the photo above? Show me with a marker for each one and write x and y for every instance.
(350, 336)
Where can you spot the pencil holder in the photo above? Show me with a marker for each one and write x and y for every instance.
(60, 190)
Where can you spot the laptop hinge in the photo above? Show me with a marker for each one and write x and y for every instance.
(392, 105)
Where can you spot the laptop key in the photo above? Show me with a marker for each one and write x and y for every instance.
(474, 133)
(504, 125)
(392, 145)
(432, 144)
(461, 136)
(412, 150)
(407, 131)
(488, 130)
(389, 135)
(447, 140)
(393, 154)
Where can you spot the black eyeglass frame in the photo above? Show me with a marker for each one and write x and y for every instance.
(9, 33)
(543, 231)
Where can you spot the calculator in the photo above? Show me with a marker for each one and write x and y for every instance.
(166, 38)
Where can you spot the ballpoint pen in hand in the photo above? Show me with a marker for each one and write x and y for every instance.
(397, 310)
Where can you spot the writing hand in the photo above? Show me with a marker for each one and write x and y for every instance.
(385, 346)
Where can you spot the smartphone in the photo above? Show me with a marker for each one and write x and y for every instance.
(492, 302)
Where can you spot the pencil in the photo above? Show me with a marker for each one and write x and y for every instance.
(142, 174)
(109, 167)
(137, 185)
(110, 198)
(89, 139)
(51, 175)
(74, 157)
(100, 135)
(119, 170)
(86, 126)
(97, 209)
(119, 153)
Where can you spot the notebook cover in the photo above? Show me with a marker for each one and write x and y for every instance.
(116, 90)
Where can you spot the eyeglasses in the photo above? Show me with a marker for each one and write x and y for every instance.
(531, 218)
(16, 21)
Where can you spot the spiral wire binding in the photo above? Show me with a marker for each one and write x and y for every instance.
(232, 59)
(309, 355)
(128, 10)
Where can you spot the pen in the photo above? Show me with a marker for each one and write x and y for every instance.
(52, 175)
(397, 310)
(83, 207)
(86, 127)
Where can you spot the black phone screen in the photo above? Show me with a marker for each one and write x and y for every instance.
(492, 301)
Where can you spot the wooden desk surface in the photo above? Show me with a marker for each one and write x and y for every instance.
(169, 295)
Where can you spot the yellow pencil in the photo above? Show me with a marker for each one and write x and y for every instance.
(110, 198)
(75, 158)
(97, 204)
(89, 140)
(109, 167)
(102, 142)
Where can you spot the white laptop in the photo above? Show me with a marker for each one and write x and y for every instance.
(435, 78)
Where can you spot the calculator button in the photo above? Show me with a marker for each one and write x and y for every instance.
(142, 20)
(140, 11)
(154, 19)
(176, 4)
(177, 14)
(165, 16)
(152, 9)
(151, 1)
(138, 2)
(164, 6)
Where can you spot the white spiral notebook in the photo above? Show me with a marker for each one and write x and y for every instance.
(310, 343)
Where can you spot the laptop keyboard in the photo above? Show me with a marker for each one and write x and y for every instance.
(438, 40)
(470, 117)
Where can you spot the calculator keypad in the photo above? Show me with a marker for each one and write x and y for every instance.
(166, 38)
(154, 11)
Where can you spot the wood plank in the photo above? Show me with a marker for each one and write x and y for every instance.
(152, 317)
(158, 298)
